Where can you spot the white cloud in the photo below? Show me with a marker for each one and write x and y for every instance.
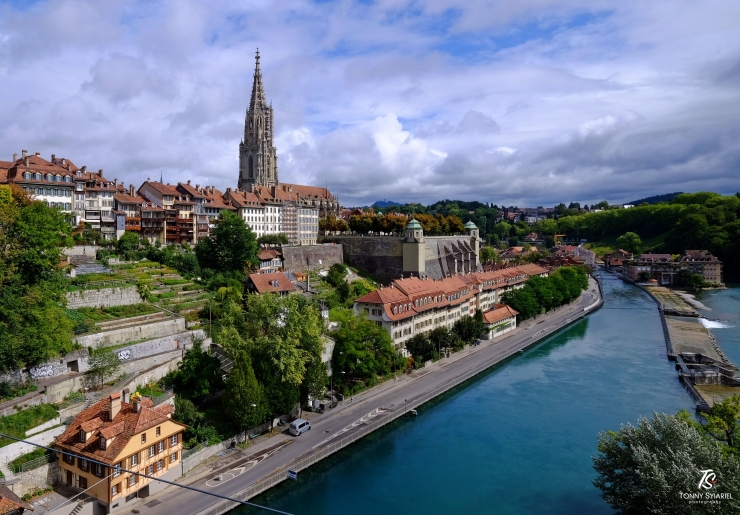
(528, 102)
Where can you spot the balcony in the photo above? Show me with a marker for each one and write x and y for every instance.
(135, 228)
(173, 237)
(133, 219)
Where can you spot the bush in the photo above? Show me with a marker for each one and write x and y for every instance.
(12, 390)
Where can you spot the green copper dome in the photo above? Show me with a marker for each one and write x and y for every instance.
(470, 225)
(413, 224)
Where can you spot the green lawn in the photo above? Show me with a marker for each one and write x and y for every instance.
(17, 425)
(16, 464)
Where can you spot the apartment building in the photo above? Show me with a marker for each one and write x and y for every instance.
(41, 179)
(180, 212)
(703, 262)
(413, 305)
(122, 432)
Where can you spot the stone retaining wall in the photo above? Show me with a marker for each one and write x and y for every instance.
(381, 256)
(129, 334)
(313, 257)
(103, 298)
(14, 450)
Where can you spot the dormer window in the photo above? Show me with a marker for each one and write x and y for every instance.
(102, 443)
(83, 436)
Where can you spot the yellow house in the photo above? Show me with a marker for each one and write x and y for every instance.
(128, 433)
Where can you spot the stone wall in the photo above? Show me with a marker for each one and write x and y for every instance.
(103, 298)
(381, 256)
(81, 254)
(14, 450)
(300, 258)
(130, 334)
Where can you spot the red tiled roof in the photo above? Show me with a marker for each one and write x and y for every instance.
(9, 502)
(309, 191)
(123, 427)
(498, 313)
(188, 189)
(165, 189)
(271, 283)
(268, 254)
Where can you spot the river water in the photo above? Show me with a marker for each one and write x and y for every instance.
(724, 315)
(515, 440)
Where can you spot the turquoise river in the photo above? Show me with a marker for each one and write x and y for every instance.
(519, 438)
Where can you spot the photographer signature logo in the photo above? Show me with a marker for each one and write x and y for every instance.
(708, 480)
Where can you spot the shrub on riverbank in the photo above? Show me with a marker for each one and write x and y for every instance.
(542, 294)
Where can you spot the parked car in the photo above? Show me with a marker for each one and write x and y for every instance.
(299, 426)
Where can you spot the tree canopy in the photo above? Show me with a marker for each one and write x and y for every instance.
(33, 327)
(231, 246)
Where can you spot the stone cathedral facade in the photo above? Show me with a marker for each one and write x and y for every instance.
(257, 152)
(258, 160)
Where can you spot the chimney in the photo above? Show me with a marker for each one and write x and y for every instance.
(53, 157)
(37, 153)
(15, 157)
(115, 405)
(188, 182)
(132, 192)
(115, 183)
(197, 186)
(137, 405)
(84, 168)
(126, 395)
(24, 153)
(100, 172)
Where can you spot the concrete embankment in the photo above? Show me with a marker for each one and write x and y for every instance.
(544, 328)
(702, 366)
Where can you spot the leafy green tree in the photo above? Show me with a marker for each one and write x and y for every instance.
(231, 246)
(103, 363)
(336, 274)
(646, 468)
(467, 328)
(199, 374)
(273, 239)
(421, 348)
(630, 242)
(127, 243)
(343, 291)
(314, 382)
(363, 351)
(33, 325)
(244, 400)
(489, 255)
(723, 420)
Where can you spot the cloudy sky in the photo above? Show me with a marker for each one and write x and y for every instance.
(527, 102)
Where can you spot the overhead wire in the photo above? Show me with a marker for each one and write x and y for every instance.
(172, 483)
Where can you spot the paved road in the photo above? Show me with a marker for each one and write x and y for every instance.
(186, 502)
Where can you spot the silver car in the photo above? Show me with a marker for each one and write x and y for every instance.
(299, 426)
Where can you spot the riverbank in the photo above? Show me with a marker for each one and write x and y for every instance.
(362, 418)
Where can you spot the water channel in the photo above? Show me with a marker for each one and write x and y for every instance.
(515, 440)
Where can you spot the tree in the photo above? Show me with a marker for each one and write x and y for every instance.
(244, 400)
(421, 348)
(199, 374)
(127, 243)
(647, 468)
(231, 246)
(722, 421)
(314, 382)
(33, 325)
(630, 242)
(489, 255)
(103, 363)
(336, 274)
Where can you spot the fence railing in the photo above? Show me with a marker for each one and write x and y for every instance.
(189, 452)
(163, 397)
(33, 464)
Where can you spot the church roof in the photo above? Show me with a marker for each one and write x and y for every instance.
(413, 224)
(470, 225)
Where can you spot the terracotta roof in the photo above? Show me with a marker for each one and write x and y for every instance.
(498, 313)
(532, 269)
(125, 425)
(125, 198)
(309, 191)
(699, 255)
(10, 502)
(188, 189)
(165, 189)
(268, 254)
(271, 283)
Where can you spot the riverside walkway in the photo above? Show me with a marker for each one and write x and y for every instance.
(244, 479)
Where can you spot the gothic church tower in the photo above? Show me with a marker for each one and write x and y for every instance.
(257, 152)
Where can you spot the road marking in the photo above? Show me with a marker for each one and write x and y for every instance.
(237, 471)
(376, 412)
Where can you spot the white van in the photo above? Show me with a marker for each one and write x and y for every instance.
(299, 426)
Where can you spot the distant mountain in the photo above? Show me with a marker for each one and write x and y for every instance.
(655, 199)
(385, 203)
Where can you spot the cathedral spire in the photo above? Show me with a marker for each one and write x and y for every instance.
(258, 90)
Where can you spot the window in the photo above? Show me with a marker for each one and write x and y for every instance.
(83, 464)
(98, 470)
(173, 457)
(102, 442)
(173, 440)
(160, 446)
(117, 470)
(115, 490)
(159, 431)
(143, 437)
(150, 469)
(160, 464)
(151, 451)
(131, 481)
(83, 436)
(69, 459)
(134, 460)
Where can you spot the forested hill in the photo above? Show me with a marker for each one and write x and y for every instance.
(656, 199)
(702, 220)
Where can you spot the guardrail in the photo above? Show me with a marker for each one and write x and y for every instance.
(281, 473)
